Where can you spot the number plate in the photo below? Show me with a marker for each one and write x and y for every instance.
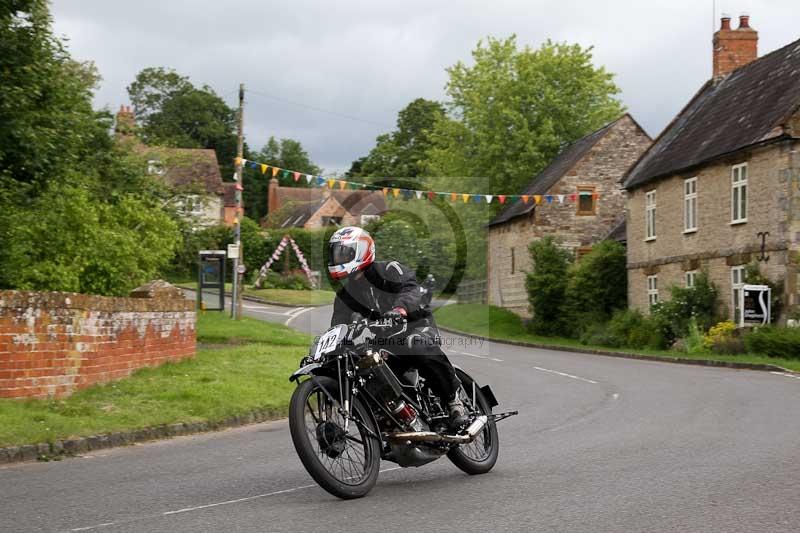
(329, 341)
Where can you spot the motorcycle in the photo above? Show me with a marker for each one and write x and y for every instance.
(350, 411)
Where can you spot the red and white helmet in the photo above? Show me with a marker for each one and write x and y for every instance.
(350, 249)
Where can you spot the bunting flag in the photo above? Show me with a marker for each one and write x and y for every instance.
(285, 241)
(419, 194)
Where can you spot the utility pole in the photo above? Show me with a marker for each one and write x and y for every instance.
(236, 304)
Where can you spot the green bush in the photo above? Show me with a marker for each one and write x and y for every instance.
(546, 286)
(626, 329)
(597, 285)
(774, 342)
(686, 303)
(694, 338)
(294, 281)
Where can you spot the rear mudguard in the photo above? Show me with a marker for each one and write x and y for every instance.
(486, 389)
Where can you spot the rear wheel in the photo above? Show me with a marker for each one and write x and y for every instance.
(480, 455)
(344, 462)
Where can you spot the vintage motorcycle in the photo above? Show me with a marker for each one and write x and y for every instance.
(350, 410)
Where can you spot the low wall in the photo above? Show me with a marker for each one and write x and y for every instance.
(54, 343)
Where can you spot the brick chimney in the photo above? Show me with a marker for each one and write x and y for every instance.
(734, 48)
(273, 202)
(126, 121)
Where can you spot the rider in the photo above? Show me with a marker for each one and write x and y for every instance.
(376, 289)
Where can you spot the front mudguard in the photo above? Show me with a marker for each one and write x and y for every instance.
(305, 370)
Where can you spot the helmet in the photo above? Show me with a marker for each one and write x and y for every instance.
(350, 249)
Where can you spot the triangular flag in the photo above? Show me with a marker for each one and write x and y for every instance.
(395, 192)
(453, 197)
(238, 161)
(525, 198)
(407, 194)
(560, 198)
(385, 191)
(431, 195)
(284, 173)
(342, 184)
(549, 198)
(476, 198)
(501, 198)
(537, 198)
(263, 168)
(238, 186)
(465, 197)
(573, 197)
(331, 182)
(595, 196)
(296, 176)
(275, 171)
(309, 177)
(252, 164)
(489, 198)
(418, 194)
(320, 181)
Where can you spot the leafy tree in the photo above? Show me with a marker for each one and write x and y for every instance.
(402, 153)
(513, 110)
(598, 284)
(173, 112)
(283, 153)
(547, 285)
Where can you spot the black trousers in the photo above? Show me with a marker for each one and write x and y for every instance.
(420, 349)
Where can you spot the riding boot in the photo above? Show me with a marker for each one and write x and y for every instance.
(458, 414)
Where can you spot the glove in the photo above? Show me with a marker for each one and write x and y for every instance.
(398, 314)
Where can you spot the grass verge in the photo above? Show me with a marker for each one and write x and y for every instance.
(501, 324)
(282, 296)
(245, 368)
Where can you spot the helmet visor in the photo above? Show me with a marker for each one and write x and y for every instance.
(339, 254)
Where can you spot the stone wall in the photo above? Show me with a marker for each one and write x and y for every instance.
(717, 245)
(603, 167)
(54, 343)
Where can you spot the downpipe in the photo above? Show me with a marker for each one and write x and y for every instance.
(472, 431)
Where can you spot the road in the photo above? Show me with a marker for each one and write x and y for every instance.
(601, 445)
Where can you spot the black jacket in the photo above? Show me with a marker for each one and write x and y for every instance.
(383, 286)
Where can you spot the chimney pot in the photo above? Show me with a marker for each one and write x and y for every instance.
(744, 21)
(725, 22)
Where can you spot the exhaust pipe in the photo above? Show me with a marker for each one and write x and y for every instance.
(472, 431)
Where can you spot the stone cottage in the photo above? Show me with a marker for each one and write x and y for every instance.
(590, 168)
(720, 188)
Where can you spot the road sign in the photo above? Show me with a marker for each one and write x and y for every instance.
(755, 301)
(233, 251)
(241, 269)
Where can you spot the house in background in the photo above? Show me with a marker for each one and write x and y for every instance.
(591, 168)
(723, 178)
(312, 208)
(193, 173)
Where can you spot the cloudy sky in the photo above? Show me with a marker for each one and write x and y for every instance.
(334, 74)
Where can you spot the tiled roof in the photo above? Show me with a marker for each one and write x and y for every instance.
(556, 170)
(353, 201)
(746, 108)
(186, 167)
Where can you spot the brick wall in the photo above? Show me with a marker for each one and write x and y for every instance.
(54, 343)
(717, 245)
(602, 167)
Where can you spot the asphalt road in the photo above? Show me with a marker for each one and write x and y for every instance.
(601, 444)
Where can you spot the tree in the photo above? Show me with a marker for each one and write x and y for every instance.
(514, 109)
(284, 153)
(598, 284)
(546, 285)
(173, 112)
(403, 152)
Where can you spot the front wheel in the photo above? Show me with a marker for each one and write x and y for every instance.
(480, 455)
(344, 462)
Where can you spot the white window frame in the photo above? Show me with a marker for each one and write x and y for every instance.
(366, 219)
(737, 282)
(739, 196)
(652, 290)
(192, 205)
(690, 205)
(690, 276)
(155, 167)
(650, 215)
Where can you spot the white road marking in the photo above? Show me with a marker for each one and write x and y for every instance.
(787, 374)
(209, 505)
(565, 375)
(478, 356)
(297, 313)
(257, 309)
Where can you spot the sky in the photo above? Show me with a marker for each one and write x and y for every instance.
(334, 74)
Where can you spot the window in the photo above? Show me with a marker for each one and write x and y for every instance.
(513, 265)
(650, 215)
(739, 193)
(155, 167)
(580, 252)
(331, 221)
(737, 282)
(690, 205)
(587, 200)
(191, 205)
(690, 277)
(652, 290)
(365, 219)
